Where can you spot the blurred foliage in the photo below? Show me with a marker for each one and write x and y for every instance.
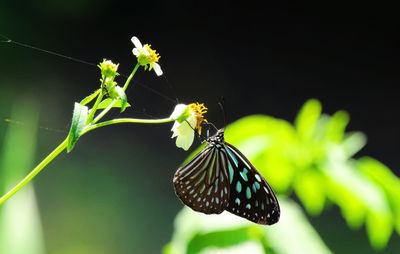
(313, 160)
(20, 225)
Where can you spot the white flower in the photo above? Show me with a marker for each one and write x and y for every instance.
(146, 56)
(184, 133)
(187, 119)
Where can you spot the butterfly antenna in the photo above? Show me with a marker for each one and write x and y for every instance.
(209, 123)
(221, 104)
(200, 136)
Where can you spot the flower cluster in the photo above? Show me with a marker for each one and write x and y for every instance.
(108, 73)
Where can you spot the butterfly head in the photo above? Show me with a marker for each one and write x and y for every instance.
(217, 138)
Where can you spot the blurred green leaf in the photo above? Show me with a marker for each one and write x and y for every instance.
(379, 227)
(268, 143)
(353, 142)
(255, 125)
(369, 197)
(190, 224)
(224, 239)
(311, 189)
(20, 226)
(79, 118)
(336, 126)
(390, 184)
(307, 118)
(293, 233)
(226, 233)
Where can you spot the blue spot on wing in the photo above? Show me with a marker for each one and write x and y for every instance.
(243, 174)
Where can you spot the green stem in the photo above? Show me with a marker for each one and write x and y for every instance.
(105, 111)
(96, 104)
(131, 76)
(125, 120)
(35, 171)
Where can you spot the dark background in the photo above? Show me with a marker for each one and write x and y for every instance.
(115, 189)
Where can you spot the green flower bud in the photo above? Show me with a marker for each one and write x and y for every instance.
(108, 69)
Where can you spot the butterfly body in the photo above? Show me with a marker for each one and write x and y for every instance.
(221, 178)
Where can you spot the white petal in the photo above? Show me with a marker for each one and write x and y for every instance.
(146, 52)
(185, 141)
(192, 121)
(157, 69)
(174, 128)
(178, 111)
(136, 52)
(136, 42)
(184, 133)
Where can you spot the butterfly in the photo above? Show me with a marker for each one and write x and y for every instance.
(221, 178)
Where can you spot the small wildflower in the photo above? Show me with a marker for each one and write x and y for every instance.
(146, 56)
(108, 69)
(188, 118)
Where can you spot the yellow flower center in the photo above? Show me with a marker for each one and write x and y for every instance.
(198, 110)
(153, 54)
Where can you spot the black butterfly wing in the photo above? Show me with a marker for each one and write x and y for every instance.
(203, 183)
(251, 197)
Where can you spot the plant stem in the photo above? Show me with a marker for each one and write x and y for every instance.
(130, 77)
(94, 108)
(104, 111)
(35, 171)
(125, 120)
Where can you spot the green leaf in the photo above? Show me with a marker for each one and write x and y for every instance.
(353, 142)
(122, 97)
(384, 177)
(226, 233)
(90, 97)
(255, 125)
(79, 118)
(294, 233)
(105, 103)
(310, 188)
(337, 125)
(230, 240)
(379, 228)
(307, 118)
(19, 216)
(360, 197)
(195, 232)
(269, 143)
